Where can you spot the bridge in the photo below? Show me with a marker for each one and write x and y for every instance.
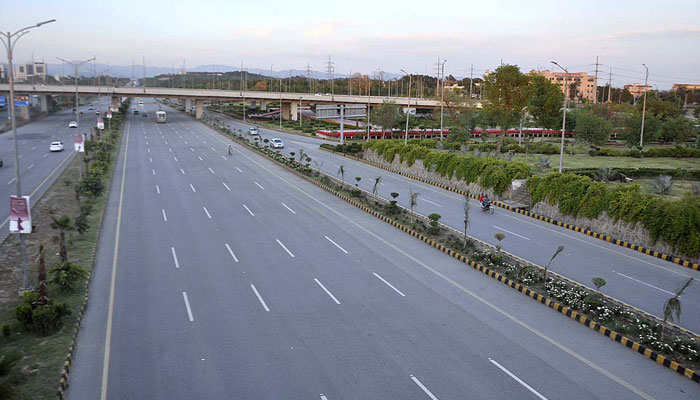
(290, 101)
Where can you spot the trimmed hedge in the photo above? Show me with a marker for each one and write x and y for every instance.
(653, 152)
(677, 173)
(676, 222)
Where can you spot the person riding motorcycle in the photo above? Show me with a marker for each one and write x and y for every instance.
(485, 202)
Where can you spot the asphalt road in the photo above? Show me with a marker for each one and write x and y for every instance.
(229, 277)
(38, 166)
(643, 281)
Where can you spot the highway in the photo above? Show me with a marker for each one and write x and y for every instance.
(38, 167)
(229, 277)
(637, 279)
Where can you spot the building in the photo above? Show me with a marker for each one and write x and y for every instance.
(3, 73)
(582, 87)
(29, 71)
(637, 89)
(453, 86)
(685, 87)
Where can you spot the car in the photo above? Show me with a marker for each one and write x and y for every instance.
(253, 130)
(136, 112)
(276, 143)
(56, 146)
(1, 163)
(73, 124)
(144, 114)
(89, 108)
(141, 103)
(97, 113)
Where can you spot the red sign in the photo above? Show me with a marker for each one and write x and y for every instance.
(20, 220)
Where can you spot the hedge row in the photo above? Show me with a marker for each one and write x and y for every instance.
(489, 172)
(678, 152)
(677, 173)
(676, 222)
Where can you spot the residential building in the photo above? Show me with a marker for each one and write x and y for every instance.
(582, 87)
(685, 87)
(3, 73)
(29, 71)
(637, 89)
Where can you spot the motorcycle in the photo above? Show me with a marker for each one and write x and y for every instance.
(486, 207)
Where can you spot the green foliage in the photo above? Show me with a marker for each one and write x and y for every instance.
(385, 115)
(6, 330)
(81, 223)
(592, 129)
(65, 275)
(598, 282)
(23, 313)
(677, 129)
(45, 320)
(434, 228)
(42, 319)
(508, 91)
(91, 185)
(546, 102)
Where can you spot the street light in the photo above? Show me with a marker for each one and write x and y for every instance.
(520, 136)
(408, 104)
(644, 107)
(563, 122)
(7, 41)
(442, 96)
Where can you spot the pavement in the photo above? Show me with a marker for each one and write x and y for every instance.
(229, 277)
(637, 279)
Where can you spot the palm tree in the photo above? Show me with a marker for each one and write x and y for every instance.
(341, 172)
(467, 205)
(673, 305)
(62, 224)
(546, 268)
(43, 292)
(376, 185)
(413, 198)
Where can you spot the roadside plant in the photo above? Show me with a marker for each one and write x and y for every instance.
(8, 360)
(695, 189)
(81, 224)
(499, 236)
(604, 174)
(598, 282)
(318, 166)
(302, 155)
(412, 198)
(546, 268)
(341, 172)
(466, 209)
(672, 306)
(377, 181)
(43, 298)
(543, 163)
(392, 208)
(62, 224)
(434, 227)
(66, 274)
(357, 180)
(662, 184)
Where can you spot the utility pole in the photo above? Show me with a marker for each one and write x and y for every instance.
(563, 122)
(408, 104)
(442, 98)
(644, 107)
(329, 71)
(610, 87)
(310, 77)
(595, 99)
(133, 75)
(471, 80)
(144, 73)
(281, 103)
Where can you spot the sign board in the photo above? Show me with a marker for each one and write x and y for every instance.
(2, 101)
(100, 123)
(79, 143)
(20, 218)
(21, 100)
(108, 114)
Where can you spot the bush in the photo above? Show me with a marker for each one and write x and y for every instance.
(91, 185)
(23, 313)
(434, 227)
(65, 275)
(6, 330)
(45, 320)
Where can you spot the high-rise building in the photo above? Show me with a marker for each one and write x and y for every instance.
(582, 87)
(29, 71)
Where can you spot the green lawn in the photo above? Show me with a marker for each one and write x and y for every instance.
(583, 161)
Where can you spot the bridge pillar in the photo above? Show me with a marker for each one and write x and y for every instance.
(24, 113)
(188, 105)
(45, 103)
(263, 105)
(253, 104)
(198, 108)
(114, 106)
(294, 111)
(286, 110)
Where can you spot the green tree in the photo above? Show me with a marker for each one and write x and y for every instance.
(508, 91)
(677, 129)
(652, 129)
(592, 129)
(385, 115)
(546, 102)
(62, 224)
(659, 107)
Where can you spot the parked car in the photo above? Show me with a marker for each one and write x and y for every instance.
(276, 143)
(56, 146)
(73, 124)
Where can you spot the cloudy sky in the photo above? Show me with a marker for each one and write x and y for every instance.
(362, 36)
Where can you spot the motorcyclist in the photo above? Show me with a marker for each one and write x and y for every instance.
(485, 202)
(229, 149)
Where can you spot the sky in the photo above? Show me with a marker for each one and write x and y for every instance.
(365, 36)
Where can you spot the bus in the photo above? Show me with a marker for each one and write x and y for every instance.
(160, 116)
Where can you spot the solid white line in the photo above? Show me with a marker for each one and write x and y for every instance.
(231, 252)
(327, 291)
(248, 209)
(207, 212)
(157, 189)
(165, 217)
(512, 233)
(287, 207)
(177, 264)
(520, 381)
(154, 172)
(431, 202)
(239, 170)
(259, 297)
(174, 158)
(211, 170)
(285, 248)
(225, 185)
(336, 244)
(425, 389)
(389, 284)
(644, 283)
(187, 305)
(200, 158)
(183, 171)
(258, 185)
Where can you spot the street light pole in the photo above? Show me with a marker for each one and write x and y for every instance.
(520, 136)
(563, 122)
(644, 107)
(408, 105)
(280, 103)
(442, 96)
(9, 44)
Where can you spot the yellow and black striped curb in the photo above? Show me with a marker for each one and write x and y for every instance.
(575, 315)
(609, 239)
(67, 363)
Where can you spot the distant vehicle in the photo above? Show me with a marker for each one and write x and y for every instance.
(276, 143)
(89, 108)
(1, 163)
(253, 130)
(56, 146)
(73, 124)
(144, 114)
(136, 112)
(160, 116)
(133, 107)
(97, 113)
(141, 103)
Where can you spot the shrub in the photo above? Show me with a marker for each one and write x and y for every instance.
(6, 330)
(662, 184)
(65, 275)
(45, 320)
(434, 227)
(23, 313)
(91, 185)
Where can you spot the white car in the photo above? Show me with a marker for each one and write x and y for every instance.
(253, 130)
(56, 146)
(276, 143)
(73, 124)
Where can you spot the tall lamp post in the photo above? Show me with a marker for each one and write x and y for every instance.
(644, 107)
(408, 105)
(442, 96)
(9, 40)
(520, 136)
(563, 122)
(76, 65)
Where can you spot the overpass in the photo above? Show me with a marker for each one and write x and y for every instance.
(290, 101)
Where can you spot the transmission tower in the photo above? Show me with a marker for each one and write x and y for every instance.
(330, 69)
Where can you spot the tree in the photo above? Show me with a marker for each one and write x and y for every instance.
(598, 282)
(676, 129)
(358, 179)
(62, 224)
(377, 181)
(499, 236)
(466, 208)
(462, 123)
(546, 102)
(508, 91)
(341, 172)
(672, 306)
(652, 129)
(592, 129)
(385, 115)
(412, 198)
(546, 268)
(43, 298)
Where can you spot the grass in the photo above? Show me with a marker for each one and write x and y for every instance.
(678, 189)
(586, 161)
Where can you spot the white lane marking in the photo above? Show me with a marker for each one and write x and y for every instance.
(165, 217)
(512, 233)
(210, 170)
(187, 305)
(157, 189)
(21, 155)
(166, 142)
(154, 172)
(644, 283)
(260, 299)
(149, 150)
(431, 202)
(192, 187)
(170, 150)
(33, 147)
(336, 244)
(425, 389)
(323, 397)
(258, 185)
(238, 169)
(204, 141)
(146, 142)
(177, 264)
(191, 149)
(248, 209)
(226, 186)
(11, 180)
(231, 252)
(520, 381)
(285, 248)
(200, 158)
(336, 165)
(389, 284)
(150, 159)
(186, 142)
(212, 149)
(327, 291)
(183, 171)
(224, 157)
(30, 167)
(207, 212)
(45, 155)
(174, 158)
(287, 207)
